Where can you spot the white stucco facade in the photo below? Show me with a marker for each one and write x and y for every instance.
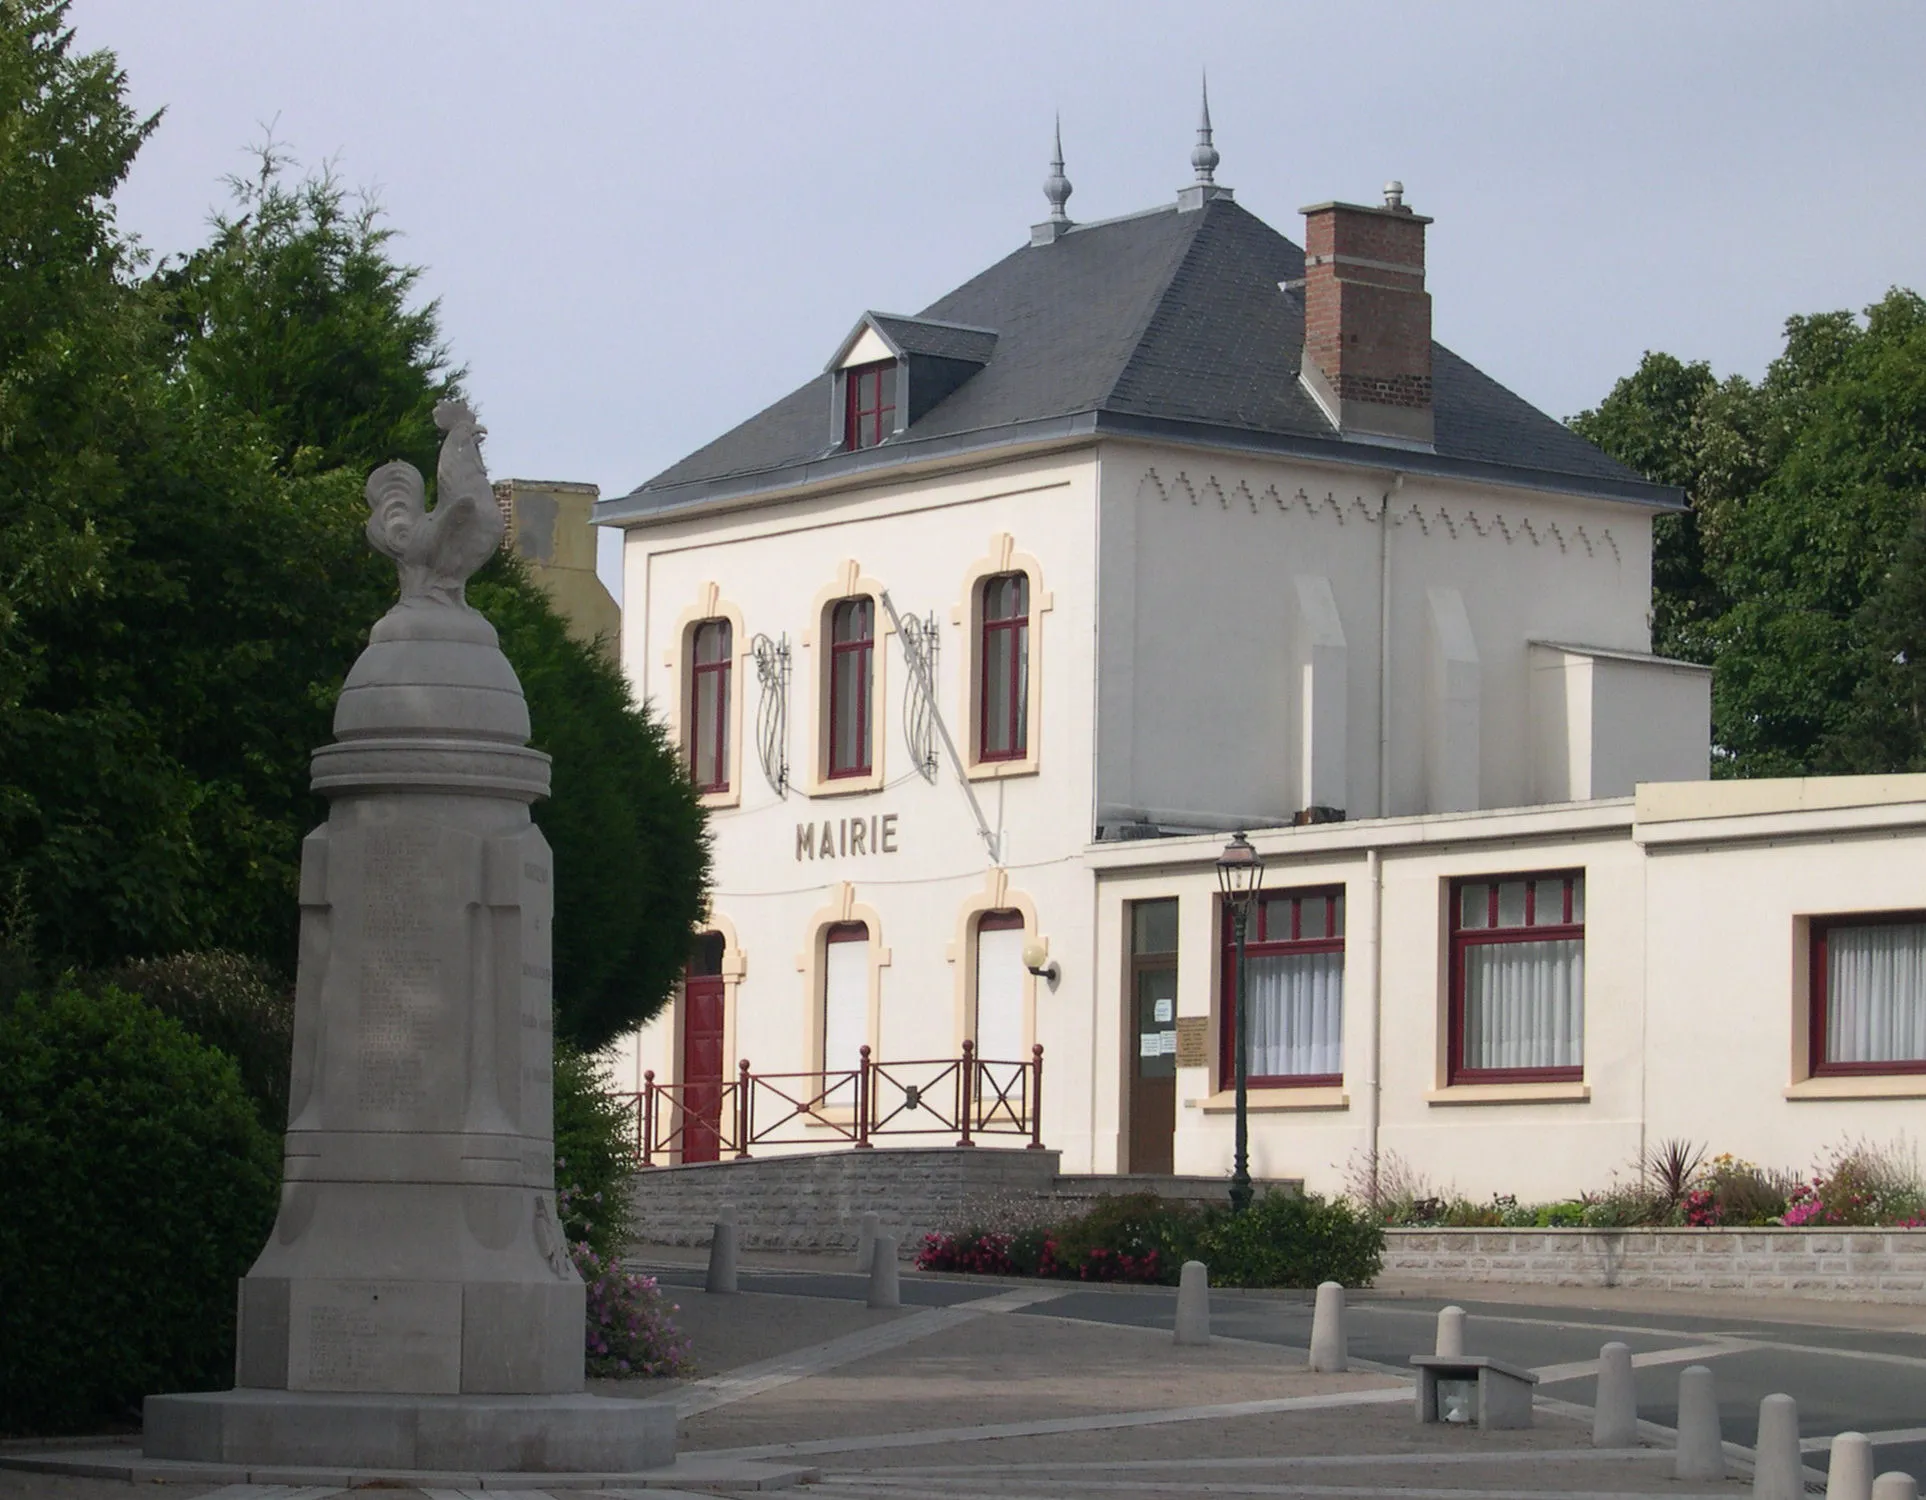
(1211, 638)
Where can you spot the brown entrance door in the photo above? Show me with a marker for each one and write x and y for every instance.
(1150, 1025)
(702, 1051)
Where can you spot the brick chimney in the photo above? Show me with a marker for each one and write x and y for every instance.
(1367, 317)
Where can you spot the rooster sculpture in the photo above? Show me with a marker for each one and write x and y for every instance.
(436, 551)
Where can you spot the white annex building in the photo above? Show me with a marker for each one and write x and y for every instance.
(982, 642)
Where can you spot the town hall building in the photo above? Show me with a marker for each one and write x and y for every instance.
(981, 643)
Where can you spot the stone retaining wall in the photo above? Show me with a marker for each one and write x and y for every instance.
(1870, 1265)
(815, 1201)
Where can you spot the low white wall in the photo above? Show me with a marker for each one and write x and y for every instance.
(1866, 1265)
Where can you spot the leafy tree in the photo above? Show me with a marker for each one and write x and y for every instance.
(94, 813)
(298, 315)
(1792, 574)
(186, 581)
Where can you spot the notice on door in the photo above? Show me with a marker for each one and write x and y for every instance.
(1193, 1041)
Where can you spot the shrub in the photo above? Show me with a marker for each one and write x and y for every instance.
(231, 1003)
(629, 1333)
(140, 1186)
(1131, 1237)
(1293, 1240)
(594, 1153)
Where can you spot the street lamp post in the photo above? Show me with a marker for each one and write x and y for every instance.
(1239, 873)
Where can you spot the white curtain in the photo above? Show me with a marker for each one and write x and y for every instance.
(1525, 1004)
(1876, 993)
(845, 1009)
(1297, 1014)
(999, 995)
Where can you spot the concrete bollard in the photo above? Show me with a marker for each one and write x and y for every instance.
(1193, 1304)
(1778, 1473)
(883, 1288)
(866, 1240)
(1451, 1332)
(1614, 1408)
(1849, 1471)
(1330, 1352)
(1894, 1485)
(722, 1252)
(1701, 1450)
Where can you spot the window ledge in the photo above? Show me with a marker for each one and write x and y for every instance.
(1274, 1101)
(1511, 1093)
(1860, 1086)
(720, 799)
(997, 770)
(846, 786)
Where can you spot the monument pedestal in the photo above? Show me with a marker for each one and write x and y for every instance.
(340, 1429)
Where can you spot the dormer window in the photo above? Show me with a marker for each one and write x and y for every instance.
(891, 371)
(871, 405)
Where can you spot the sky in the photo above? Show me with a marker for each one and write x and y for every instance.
(645, 222)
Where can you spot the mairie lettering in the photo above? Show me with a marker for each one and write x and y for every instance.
(846, 838)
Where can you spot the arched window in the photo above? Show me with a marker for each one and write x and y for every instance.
(708, 706)
(845, 996)
(997, 1027)
(1003, 713)
(852, 636)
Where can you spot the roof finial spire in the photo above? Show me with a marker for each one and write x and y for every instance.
(1203, 156)
(1056, 187)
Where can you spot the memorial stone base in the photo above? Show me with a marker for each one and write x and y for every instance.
(495, 1434)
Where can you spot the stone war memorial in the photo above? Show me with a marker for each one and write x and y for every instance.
(415, 1306)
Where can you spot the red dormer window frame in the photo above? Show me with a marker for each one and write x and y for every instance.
(869, 404)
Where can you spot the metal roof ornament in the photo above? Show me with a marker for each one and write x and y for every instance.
(1203, 156)
(1056, 187)
(1204, 160)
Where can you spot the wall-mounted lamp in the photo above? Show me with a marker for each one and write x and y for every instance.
(1037, 959)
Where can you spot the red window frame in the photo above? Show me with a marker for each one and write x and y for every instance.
(863, 648)
(869, 404)
(1009, 636)
(719, 726)
(1818, 1064)
(1264, 939)
(1464, 938)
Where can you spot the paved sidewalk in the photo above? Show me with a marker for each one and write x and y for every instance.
(985, 1389)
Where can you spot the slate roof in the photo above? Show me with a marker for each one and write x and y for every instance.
(1163, 324)
(936, 339)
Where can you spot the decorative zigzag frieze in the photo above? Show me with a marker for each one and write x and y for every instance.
(1512, 529)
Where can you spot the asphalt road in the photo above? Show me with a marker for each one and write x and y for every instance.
(1844, 1379)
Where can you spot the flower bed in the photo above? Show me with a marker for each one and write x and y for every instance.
(1282, 1240)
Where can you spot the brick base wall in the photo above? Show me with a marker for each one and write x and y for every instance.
(1869, 1265)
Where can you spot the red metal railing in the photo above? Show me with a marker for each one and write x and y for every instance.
(965, 1096)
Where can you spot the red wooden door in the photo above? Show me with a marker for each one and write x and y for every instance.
(702, 1052)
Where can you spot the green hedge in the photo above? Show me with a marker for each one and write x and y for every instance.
(1290, 1240)
(139, 1185)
